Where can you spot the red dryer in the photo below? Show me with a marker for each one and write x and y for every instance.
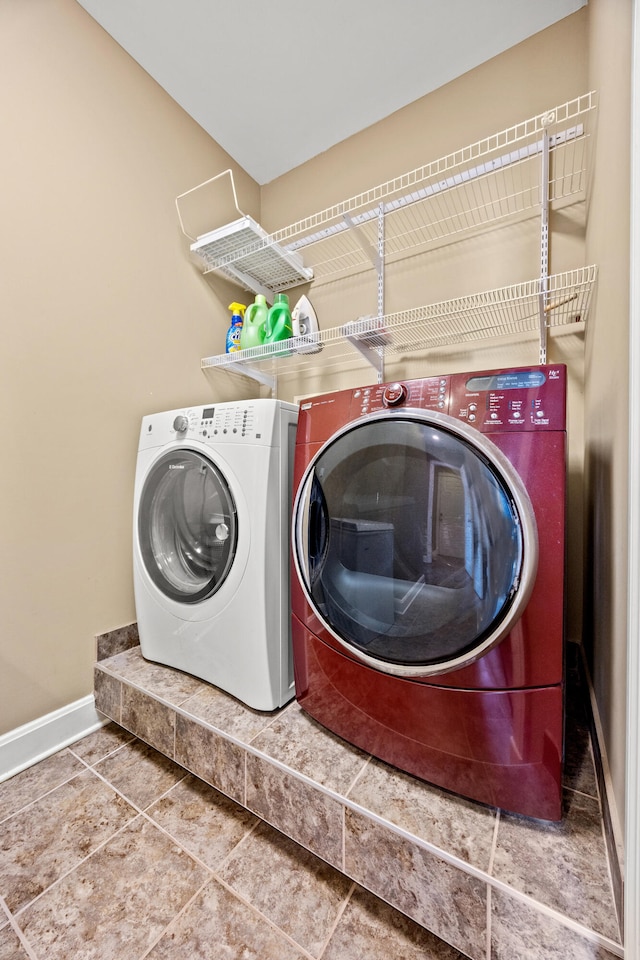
(428, 542)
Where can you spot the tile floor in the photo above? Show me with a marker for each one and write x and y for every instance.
(110, 850)
(113, 849)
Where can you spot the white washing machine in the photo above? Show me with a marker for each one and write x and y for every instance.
(212, 507)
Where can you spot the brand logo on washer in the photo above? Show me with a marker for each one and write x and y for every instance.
(176, 466)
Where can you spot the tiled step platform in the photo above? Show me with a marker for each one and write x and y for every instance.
(494, 885)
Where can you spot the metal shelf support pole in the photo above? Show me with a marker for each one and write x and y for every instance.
(373, 353)
(544, 243)
(380, 270)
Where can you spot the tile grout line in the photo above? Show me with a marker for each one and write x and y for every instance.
(46, 793)
(560, 918)
(245, 785)
(132, 803)
(175, 736)
(15, 927)
(175, 919)
(583, 793)
(241, 842)
(143, 812)
(338, 919)
(282, 710)
(86, 765)
(5, 908)
(241, 897)
(111, 753)
(494, 846)
(359, 775)
(76, 866)
(140, 812)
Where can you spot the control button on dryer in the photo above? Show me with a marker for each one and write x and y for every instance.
(394, 394)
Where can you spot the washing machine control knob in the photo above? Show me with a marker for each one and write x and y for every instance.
(180, 424)
(394, 394)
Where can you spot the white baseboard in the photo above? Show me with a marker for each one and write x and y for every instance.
(26, 745)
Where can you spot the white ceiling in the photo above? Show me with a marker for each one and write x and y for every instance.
(276, 82)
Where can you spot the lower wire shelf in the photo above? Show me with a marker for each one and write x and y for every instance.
(559, 300)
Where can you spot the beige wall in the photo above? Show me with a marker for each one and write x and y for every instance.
(104, 319)
(606, 380)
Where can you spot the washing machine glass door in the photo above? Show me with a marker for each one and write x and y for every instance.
(415, 542)
(187, 526)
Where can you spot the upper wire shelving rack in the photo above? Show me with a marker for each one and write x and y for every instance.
(523, 171)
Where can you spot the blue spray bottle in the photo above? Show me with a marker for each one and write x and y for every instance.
(234, 331)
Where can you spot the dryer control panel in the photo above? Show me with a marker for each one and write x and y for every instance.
(493, 401)
(529, 398)
(526, 399)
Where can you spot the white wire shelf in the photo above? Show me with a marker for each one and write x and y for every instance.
(562, 299)
(493, 180)
(268, 267)
(240, 249)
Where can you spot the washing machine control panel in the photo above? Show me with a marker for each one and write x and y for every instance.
(229, 422)
(219, 423)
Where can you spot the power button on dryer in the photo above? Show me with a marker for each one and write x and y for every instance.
(394, 394)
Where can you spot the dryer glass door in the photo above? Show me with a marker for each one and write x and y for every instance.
(415, 542)
(187, 526)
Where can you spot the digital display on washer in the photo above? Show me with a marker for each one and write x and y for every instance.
(522, 380)
(208, 412)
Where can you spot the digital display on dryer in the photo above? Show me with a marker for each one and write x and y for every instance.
(520, 380)
(208, 412)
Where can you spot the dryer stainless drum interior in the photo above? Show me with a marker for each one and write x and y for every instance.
(212, 513)
(428, 542)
